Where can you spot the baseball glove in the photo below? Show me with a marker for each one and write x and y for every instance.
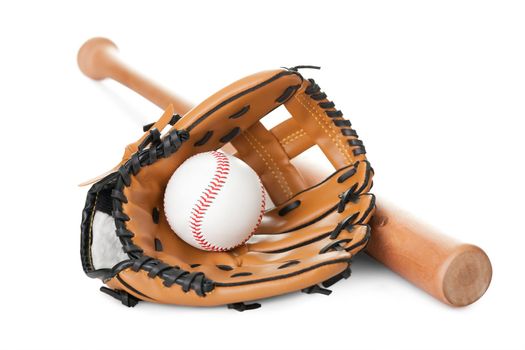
(305, 242)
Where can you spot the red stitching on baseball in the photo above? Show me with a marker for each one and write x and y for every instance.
(222, 169)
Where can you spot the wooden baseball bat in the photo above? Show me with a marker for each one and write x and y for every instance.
(455, 273)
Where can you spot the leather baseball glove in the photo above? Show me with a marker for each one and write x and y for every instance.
(305, 242)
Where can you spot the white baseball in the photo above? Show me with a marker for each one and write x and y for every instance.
(214, 201)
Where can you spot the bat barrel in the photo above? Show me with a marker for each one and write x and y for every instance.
(98, 59)
(455, 273)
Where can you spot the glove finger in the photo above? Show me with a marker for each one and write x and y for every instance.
(235, 286)
(352, 240)
(315, 231)
(318, 201)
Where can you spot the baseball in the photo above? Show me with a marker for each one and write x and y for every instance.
(214, 201)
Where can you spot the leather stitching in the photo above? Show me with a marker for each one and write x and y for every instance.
(274, 168)
(200, 208)
(327, 128)
(202, 205)
(293, 137)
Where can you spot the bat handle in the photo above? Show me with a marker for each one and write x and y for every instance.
(98, 59)
(456, 273)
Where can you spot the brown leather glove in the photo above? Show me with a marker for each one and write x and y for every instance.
(306, 241)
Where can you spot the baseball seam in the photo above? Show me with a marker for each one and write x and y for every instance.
(201, 206)
(206, 199)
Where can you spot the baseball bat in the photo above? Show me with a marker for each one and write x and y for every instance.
(455, 273)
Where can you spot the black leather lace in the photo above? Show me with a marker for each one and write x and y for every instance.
(150, 150)
(315, 93)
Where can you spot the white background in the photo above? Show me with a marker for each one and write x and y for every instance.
(435, 89)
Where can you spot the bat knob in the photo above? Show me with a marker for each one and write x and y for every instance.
(95, 56)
